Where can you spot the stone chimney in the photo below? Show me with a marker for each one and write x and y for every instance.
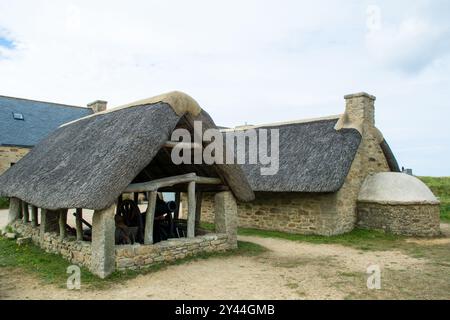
(97, 106)
(359, 112)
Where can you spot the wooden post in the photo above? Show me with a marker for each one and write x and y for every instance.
(25, 212)
(34, 216)
(150, 217)
(136, 198)
(176, 214)
(62, 223)
(191, 210)
(20, 209)
(198, 208)
(79, 224)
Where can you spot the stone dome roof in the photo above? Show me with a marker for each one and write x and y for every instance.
(395, 188)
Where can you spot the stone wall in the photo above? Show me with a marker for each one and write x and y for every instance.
(9, 155)
(401, 219)
(134, 256)
(77, 252)
(139, 256)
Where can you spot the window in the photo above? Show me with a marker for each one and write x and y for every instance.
(18, 116)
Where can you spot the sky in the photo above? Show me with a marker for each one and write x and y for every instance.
(244, 61)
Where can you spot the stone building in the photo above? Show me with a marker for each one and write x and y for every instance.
(322, 165)
(330, 173)
(23, 123)
(398, 203)
(91, 162)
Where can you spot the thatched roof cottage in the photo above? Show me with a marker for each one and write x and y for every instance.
(326, 166)
(90, 162)
(323, 163)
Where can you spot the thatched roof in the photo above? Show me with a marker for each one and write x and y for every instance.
(89, 162)
(314, 157)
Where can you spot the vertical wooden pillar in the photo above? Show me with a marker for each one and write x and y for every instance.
(136, 197)
(79, 224)
(198, 208)
(34, 216)
(14, 210)
(25, 212)
(20, 209)
(191, 210)
(176, 214)
(62, 223)
(103, 242)
(150, 217)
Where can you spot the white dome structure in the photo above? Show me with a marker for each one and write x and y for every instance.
(393, 187)
(398, 203)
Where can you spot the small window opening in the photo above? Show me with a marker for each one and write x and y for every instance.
(18, 116)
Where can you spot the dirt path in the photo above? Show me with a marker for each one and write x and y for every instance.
(290, 270)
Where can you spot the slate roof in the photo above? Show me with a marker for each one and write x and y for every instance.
(39, 119)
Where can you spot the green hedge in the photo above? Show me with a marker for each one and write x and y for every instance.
(4, 203)
(441, 188)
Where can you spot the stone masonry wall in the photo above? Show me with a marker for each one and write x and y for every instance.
(134, 256)
(9, 155)
(408, 220)
(139, 256)
(77, 252)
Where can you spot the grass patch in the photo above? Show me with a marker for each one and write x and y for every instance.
(51, 268)
(4, 203)
(441, 188)
(358, 238)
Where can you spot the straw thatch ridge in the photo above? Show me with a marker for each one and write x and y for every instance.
(314, 157)
(88, 163)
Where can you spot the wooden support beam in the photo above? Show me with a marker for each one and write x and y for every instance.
(182, 145)
(25, 212)
(176, 214)
(198, 207)
(34, 216)
(191, 210)
(150, 217)
(20, 209)
(170, 181)
(62, 223)
(136, 197)
(79, 224)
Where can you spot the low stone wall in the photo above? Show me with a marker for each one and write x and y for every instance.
(139, 256)
(132, 257)
(77, 252)
(402, 219)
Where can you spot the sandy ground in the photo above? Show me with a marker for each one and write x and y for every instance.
(288, 270)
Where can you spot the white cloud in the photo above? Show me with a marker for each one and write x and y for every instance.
(244, 61)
